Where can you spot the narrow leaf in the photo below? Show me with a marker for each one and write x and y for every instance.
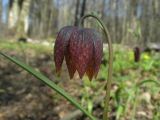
(49, 83)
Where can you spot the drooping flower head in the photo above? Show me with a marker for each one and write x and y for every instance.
(82, 49)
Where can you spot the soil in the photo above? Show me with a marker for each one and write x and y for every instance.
(23, 97)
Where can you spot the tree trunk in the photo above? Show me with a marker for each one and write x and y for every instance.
(145, 23)
(124, 23)
(23, 23)
(83, 7)
(0, 11)
(116, 21)
(103, 9)
(13, 13)
(76, 13)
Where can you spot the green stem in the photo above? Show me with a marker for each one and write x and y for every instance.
(109, 81)
(135, 104)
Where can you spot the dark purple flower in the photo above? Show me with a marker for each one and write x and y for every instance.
(137, 54)
(82, 49)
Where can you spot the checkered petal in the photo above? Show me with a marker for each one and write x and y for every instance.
(81, 49)
(94, 66)
(61, 44)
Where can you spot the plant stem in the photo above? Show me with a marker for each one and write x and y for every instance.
(135, 104)
(109, 80)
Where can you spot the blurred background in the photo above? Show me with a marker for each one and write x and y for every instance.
(28, 29)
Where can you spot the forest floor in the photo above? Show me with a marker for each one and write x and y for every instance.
(23, 97)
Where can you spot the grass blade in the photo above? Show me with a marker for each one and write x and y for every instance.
(49, 83)
(148, 81)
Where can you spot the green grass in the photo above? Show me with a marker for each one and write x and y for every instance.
(20, 46)
(137, 85)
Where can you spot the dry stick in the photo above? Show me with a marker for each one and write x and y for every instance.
(109, 81)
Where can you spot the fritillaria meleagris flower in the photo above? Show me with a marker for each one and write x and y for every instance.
(82, 49)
